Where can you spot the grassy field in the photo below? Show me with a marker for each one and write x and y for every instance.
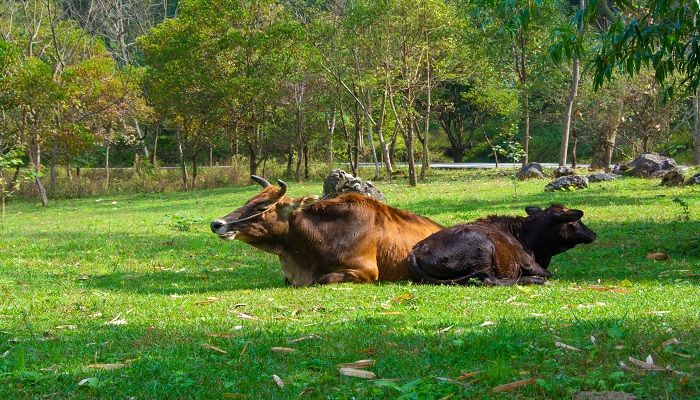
(139, 280)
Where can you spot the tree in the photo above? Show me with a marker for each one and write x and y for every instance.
(658, 34)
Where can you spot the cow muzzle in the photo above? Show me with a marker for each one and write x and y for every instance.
(221, 228)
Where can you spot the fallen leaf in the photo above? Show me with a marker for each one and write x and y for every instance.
(658, 313)
(402, 298)
(468, 375)
(443, 330)
(648, 366)
(511, 299)
(513, 385)
(600, 288)
(216, 349)
(536, 314)
(670, 342)
(89, 382)
(278, 381)
(488, 323)
(390, 313)
(360, 364)
(244, 316)
(221, 335)
(369, 350)
(83, 277)
(108, 367)
(357, 373)
(175, 296)
(116, 321)
(566, 346)
(5, 354)
(283, 349)
(304, 338)
(682, 355)
(660, 256)
(209, 300)
(70, 327)
(593, 339)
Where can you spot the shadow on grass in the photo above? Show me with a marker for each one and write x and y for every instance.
(169, 360)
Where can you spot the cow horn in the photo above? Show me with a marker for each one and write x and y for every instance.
(261, 181)
(283, 187)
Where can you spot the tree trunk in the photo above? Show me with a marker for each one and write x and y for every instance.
(409, 145)
(181, 157)
(370, 139)
(526, 139)
(574, 135)
(154, 157)
(141, 137)
(211, 156)
(569, 110)
(69, 172)
(300, 144)
(696, 109)
(290, 160)
(425, 165)
(194, 171)
(107, 165)
(306, 161)
(330, 124)
(36, 162)
(54, 161)
(573, 90)
(611, 136)
(346, 133)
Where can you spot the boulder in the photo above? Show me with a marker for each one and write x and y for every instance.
(672, 178)
(602, 177)
(651, 165)
(530, 171)
(563, 171)
(620, 169)
(567, 183)
(339, 181)
(693, 180)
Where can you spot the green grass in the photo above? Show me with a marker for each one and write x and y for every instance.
(66, 270)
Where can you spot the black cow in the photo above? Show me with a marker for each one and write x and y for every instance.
(499, 250)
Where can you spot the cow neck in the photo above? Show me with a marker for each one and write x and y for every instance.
(517, 226)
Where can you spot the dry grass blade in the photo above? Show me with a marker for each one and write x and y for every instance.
(360, 364)
(513, 385)
(660, 256)
(357, 373)
(452, 381)
(670, 342)
(209, 300)
(468, 375)
(107, 367)
(221, 335)
(116, 321)
(216, 349)
(304, 338)
(278, 381)
(566, 346)
(488, 323)
(283, 349)
(646, 365)
(244, 316)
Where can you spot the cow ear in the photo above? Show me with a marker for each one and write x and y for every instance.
(569, 216)
(532, 210)
(287, 209)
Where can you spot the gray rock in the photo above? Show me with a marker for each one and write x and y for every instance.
(339, 181)
(620, 169)
(651, 165)
(563, 171)
(693, 180)
(567, 183)
(602, 177)
(672, 178)
(530, 171)
(534, 165)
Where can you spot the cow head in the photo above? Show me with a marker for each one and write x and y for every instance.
(553, 231)
(261, 219)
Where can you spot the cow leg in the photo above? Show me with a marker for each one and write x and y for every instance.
(365, 272)
(523, 280)
(534, 269)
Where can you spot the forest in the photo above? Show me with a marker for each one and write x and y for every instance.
(191, 83)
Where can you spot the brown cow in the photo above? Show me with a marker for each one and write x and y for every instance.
(351, 238)
(499, 250)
